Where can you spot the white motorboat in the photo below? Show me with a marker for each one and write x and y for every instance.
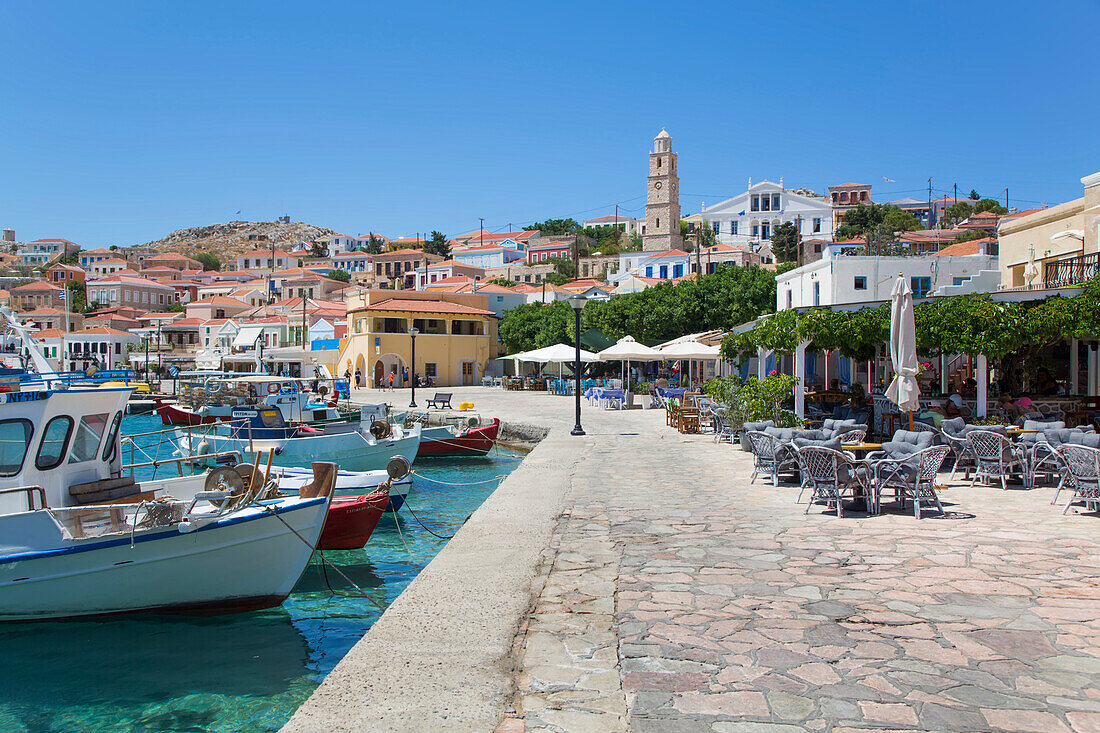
(349, 483)
(260, 430)
(79, 537)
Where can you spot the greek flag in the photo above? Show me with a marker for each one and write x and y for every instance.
(61, 296)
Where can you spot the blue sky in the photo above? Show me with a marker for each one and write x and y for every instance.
(122, 121)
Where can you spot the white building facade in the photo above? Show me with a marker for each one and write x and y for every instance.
(750, 218)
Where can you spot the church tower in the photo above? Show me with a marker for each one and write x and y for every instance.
(662, 208)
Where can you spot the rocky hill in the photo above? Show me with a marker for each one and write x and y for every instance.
(229, 240)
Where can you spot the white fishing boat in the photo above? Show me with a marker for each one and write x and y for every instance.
(349, 483)
(79, 537)
(351, 446)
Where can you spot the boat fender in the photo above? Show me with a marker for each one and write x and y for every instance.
(185, 527)
(212, 386)
(203, 448)
(278, 450)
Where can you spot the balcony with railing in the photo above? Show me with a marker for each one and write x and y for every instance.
(1070, 271)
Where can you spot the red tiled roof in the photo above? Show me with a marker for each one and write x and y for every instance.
(49, 333)
(520, 236)
(961, 249)
(51, 240)
(97, 251)
(221, 300)
(123, 278)
(43, 312)
(426, 306)
(185, 322)
(852, 185)
(37, 285)
(263, 253)
(74, 268)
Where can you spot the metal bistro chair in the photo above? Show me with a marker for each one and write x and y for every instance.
(830, 474)
(912, 478)
(996, 457)
(771, 456)
(1083, 472)
(723, 433)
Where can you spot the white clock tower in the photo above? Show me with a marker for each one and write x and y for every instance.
(662, 208)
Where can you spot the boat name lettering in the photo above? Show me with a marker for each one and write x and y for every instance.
(25, 396)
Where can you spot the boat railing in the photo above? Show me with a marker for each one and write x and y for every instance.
(76, 378)
(30, 492)
(156, 448)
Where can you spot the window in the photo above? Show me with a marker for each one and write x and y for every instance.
(658, 162)
(817, 224)
(716, 226)
(862, 195)
(817, 292)
(755, 206)
(649, 271)
(658, 222)
(55, 439)
(677, 270)
(429, 370)
(860, 283)
(112, 438)
(664, 272)
(920, 286)
(958, 280)
(733, 227)
(15, 438)
(118, 346)
(88, 435)
(765, 203)
(765, 231)
(775, 202)
(755, 230)
(790, 298)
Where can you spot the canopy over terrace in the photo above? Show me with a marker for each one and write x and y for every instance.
(627, 349)
(980, 361)
(556, 354)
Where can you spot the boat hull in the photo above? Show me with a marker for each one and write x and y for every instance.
(246, 561)
(474, 442)
(351, 451)
(172, 415)
(352, 520)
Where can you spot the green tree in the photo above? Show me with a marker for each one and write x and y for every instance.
(535, 325)
(339, 276)
(553, 227)
(77, 295)
(869, 217)
(209, 261)
(556, 278)
(989, 205)
(374, 245)
(970, 235)
(502, 282)
(785, 242)
(563, 266)
(317, 249)
(437, 245)
(974, 195)
(958, 212)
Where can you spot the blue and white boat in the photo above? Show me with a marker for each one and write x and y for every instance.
(80, 537)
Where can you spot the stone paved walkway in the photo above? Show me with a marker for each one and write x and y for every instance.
(678, 597)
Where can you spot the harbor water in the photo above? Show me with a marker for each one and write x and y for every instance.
(244, 672)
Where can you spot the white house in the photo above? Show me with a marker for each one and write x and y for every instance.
(263, 260)
(752, 216)
(625, 224)
(341, 243)
(354, 261)
(667, 265)
(42, 251)
(106, 347)
(851, 278)
(488, 256)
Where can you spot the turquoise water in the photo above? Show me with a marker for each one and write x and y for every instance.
(245, 672)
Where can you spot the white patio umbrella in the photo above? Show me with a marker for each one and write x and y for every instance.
(690, 351)
(627, 349)
(903, 390)
(1031, 269)
(556, 354)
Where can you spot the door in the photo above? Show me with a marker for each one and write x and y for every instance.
(379, 373)
(467, 372)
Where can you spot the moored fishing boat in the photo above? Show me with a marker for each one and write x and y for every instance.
(352, 483)
(450, 440)
(352, 520)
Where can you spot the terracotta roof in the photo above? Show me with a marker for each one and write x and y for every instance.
(961, 249)
(1025, 212)
(112, 261)
(158, 316)
(97, 251)
(221, 300)
(852, 185)
(185, 322)
(44, 312)
(74, 268)
(612, 218)
(49, 333)
(159, 268)
(556, 244)
(426, 306)
(101, 331)
(35, 286)
(126, 279)
(51, 240)
(216, 321)
(264, 253)
(452, 280)
(520, 236)
(671, 253)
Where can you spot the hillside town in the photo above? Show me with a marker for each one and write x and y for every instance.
(339, 304)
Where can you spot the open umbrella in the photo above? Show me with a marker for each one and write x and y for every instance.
(689, 351)
(903, 390)
(627, 349)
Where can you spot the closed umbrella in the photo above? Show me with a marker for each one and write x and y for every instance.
(1031, 269)
(903, 390)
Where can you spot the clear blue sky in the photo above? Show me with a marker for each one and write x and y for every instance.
(122, 121)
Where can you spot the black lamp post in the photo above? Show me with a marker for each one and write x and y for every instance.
(577, 301)
(412, 373)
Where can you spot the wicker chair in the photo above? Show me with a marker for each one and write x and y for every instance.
(1082, 465)
(912, 478)
(830, 474)
(853, 436)
(771, 457)
(996, 457)
(723, 433)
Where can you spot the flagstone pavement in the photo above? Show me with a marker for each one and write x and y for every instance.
(677, 596)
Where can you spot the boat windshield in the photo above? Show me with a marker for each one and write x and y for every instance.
(88, 436)
(15, 438)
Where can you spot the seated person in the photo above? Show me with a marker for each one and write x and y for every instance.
(1009, 407)
(953, 407)
(1045, 383)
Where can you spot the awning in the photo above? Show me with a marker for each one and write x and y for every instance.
(247, 336)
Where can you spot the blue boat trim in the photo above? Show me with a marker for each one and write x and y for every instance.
(137, 539)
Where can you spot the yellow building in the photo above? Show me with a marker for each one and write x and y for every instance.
(457, 336)
(1061, 242)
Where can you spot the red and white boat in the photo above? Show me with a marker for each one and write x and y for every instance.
(449, 440)
(352, 519)
(175, 414)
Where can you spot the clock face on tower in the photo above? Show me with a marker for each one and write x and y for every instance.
(657, 185)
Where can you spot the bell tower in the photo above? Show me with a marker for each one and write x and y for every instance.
(662, 208)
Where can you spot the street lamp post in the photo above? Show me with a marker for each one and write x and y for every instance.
(412, 373)
(577, 301)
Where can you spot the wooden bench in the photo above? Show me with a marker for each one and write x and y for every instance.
(440, 401)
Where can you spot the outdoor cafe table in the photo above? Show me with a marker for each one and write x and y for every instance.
(670, 392)
(859, 504)
(604, 393)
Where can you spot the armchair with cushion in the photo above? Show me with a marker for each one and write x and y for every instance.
(753, 427)
(904, 444)
(912, 477)
(830, 474)
(996, 457)
(771, 456)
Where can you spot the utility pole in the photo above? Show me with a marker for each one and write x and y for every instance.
(481, 232)
(929, 203)
(616, 224)
(1006, 197)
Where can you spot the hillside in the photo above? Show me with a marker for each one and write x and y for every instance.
(233, 238)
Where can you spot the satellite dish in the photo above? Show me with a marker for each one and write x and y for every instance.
(398, 467)
(380, 429)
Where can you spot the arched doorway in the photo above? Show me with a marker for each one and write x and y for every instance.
(361, 370)
(386, 365)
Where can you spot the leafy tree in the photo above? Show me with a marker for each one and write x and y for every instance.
(374, 245)
(563, 266)
(502, 282)
(869, 217)
(899, 220)
(176, 308)
(556, 278)
(318, 250)
(974, 195)
(535, 325)
(209, 261)
(72, 259)
(785, 267)
(970, 235)
(339, 276)
(785, 242)
(989, 205)
(77, 296)
(958, 211)
(553, 227)
(635, 242)
(437, 245)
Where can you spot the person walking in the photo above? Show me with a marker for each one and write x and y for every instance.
(358, 378)
(392, 374)
(404, 376)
